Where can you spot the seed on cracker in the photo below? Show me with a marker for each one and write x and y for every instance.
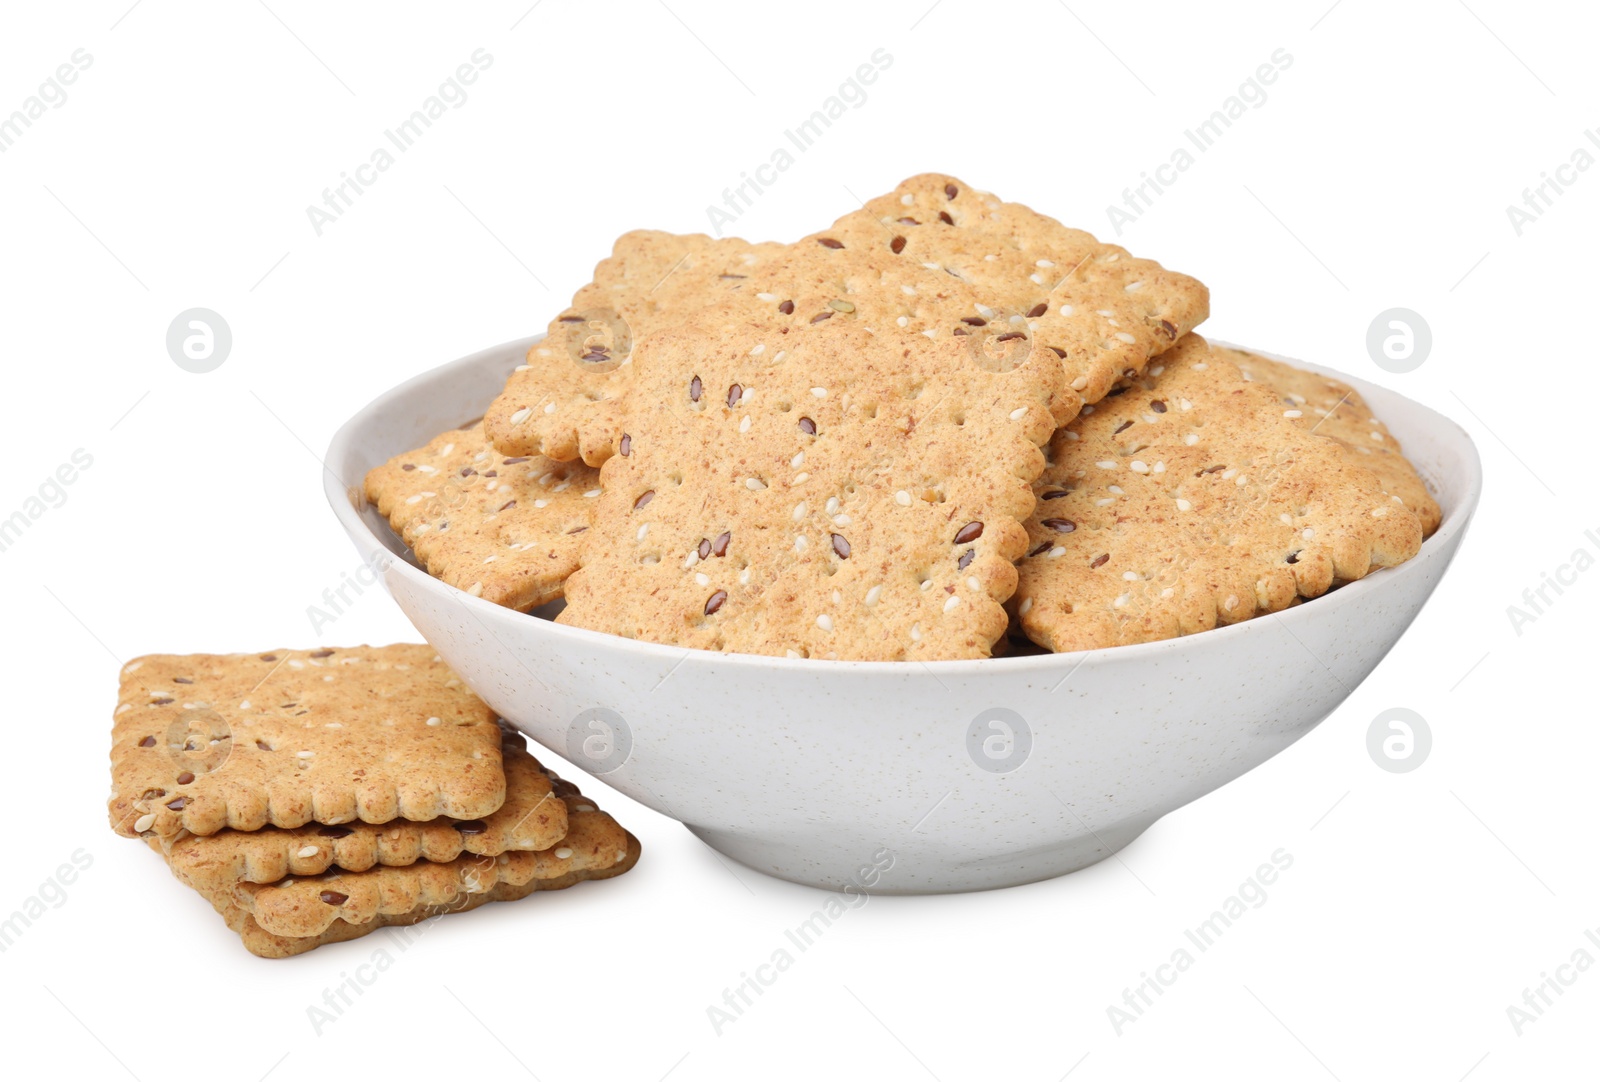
(1238, 511)
(202, 742)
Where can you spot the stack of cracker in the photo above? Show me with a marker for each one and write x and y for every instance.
(315, 796)
(942, 418)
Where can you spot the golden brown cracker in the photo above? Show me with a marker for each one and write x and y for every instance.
(1190, 500)
(299, 907)
(833, 493)
(532, 817)
(1332, 408)
(205, 741)
(504, 528)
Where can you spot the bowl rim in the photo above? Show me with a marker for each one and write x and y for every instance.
(339, 495)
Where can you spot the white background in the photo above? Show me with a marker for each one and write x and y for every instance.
(1377, 174)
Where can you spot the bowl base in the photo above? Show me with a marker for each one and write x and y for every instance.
(915, 866)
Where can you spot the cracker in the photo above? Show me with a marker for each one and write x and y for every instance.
(1103, 311)
(264, 944)
(829, 494)
(202, 742)
(532, 817)
(506, 529)
(918, 259)
(1332, 408)
(305, 907)
(565, 401)
(1190, 500)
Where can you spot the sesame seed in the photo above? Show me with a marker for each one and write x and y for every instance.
(1185, 505)
(643, 530)
(916, 632)
(744, 577)
(1241, 480)
(1199, 366)
(1104, 501)
(794, 463)
(522, 415)
(1115, 490)
(307, 851)
(757, 349)
(1080, 383)
(476, 589)
(872, 596)
(1133, 287)
(1019, 413)
(591, 494)
(910, 291)
(1138, 467)
(1231, 604)
(801, 478)
(1123, 600)
(973, 583)
(541, 503)
(903, 498)
(433, 721)
(819, 392)
(1065, 309)
(1124, 336)
(563, 853)
(766, 297)
(1036, 279)
(551, 408)
(754, 484)
(841, 520)
(800, 510)
(1106, 464)
(800, 543)
(1055, 552)
(312, 754)
(825, 622)
(703, 579)
(744, 423)
(1308, 533)
(951, 602)
(1022, 609)
(144, 823)
(1191, 439)
(1293, 413)
(902, 321)
(1044, 263)
(907, 199)
(692, 559)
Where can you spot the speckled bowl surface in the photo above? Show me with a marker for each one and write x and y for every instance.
(972, 774)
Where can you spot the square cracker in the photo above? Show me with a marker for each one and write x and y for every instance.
(532, 817)
(202, 742)
(834, 494)
(565, 402)
(506, 529)
(264, 944)
(934, 257)
(1191, 500)
(1332, 408)
(299, 908)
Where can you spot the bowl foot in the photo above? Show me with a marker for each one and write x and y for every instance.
(919, 865)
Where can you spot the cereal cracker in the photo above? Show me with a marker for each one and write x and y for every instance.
(202, 742)
(1190, 500)
(503, 528)
(832, 493)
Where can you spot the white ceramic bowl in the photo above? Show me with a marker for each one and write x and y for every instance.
(972, 774)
